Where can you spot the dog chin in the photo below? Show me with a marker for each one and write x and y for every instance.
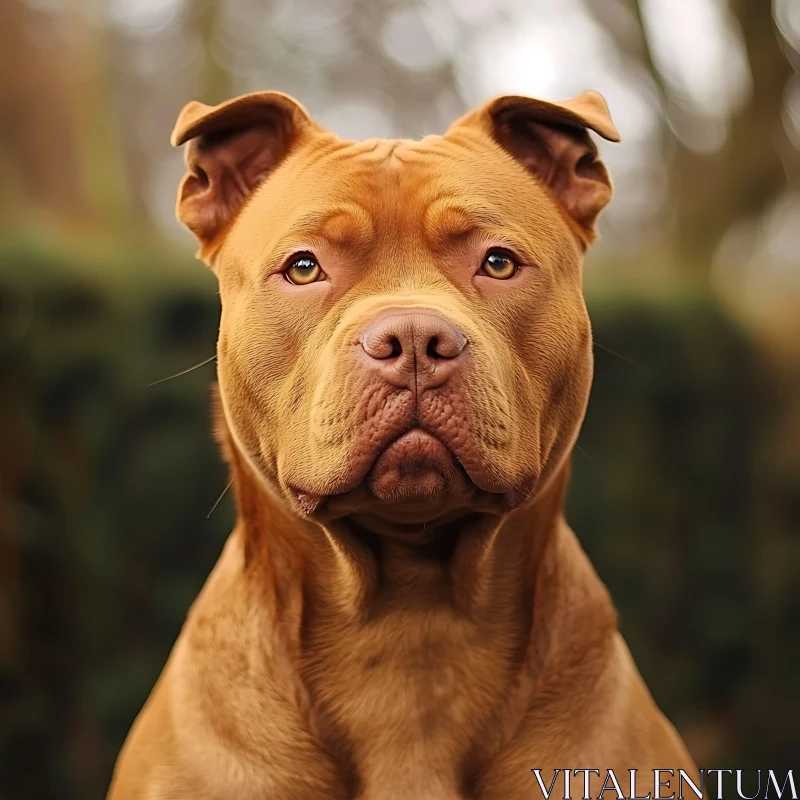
(417, 468)
(415, 479)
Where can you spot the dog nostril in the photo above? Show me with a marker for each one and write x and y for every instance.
(382, 347)
(412, 335)
(445, 347)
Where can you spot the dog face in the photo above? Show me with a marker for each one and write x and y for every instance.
(403, 329)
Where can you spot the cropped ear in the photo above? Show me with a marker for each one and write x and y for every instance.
(551, 141)
(230, 149)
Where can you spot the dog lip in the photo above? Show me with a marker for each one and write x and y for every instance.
(313, 503)
(308, 501)
(511, 497)
(424, 444)
(416, 431)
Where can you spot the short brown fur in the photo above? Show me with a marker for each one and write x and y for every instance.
(401, 611)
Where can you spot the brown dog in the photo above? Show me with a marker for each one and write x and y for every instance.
(404, 361)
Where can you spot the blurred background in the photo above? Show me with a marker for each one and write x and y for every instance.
(686, 489)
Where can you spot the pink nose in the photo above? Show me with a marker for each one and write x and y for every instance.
(413, 348)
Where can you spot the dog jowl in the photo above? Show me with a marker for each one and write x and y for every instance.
(404, 361)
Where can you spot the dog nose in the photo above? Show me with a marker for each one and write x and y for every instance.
(413, 348)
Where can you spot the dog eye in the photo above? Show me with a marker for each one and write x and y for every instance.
(499, 265)
(303, 270)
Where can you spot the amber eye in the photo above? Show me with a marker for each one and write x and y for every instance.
(303, 269)
(500, 265)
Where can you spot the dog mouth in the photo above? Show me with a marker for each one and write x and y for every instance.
(417, 466)
(413, 472)
(416, 478)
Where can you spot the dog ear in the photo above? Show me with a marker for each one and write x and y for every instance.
(551, 141)
(230, 149)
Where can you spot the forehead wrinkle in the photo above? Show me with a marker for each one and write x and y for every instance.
(340, 224)
(448, 218)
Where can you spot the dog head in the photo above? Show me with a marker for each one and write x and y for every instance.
(403, 329)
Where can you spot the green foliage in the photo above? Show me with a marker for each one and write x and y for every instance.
(107, 483)
(683, 510)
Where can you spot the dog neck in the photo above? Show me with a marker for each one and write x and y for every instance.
(477, 564)
(367, 619)
(350, 564)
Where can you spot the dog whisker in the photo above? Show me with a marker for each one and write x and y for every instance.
(620, 356)
(185, 371)
(592, 462)
(581, 450)
(219, 499)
